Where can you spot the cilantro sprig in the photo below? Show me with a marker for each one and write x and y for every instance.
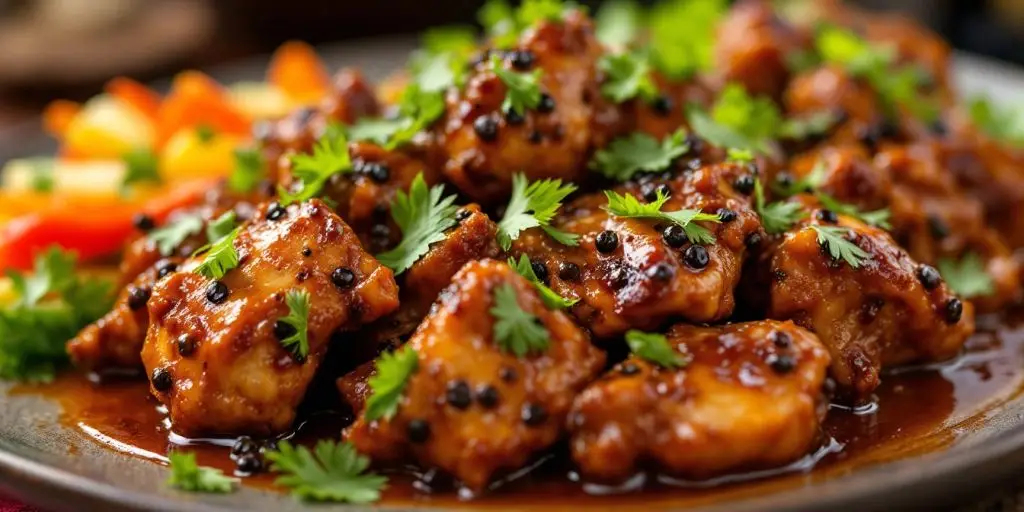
(967, 277)
(174, 233)
(187, 475)
(682, 35)
(248, 171)
(330, 156)
(628, 206)
(331, 472)
(522, 89)
(627, 76)
(877, 218)
(504, 24)
(419, 108)
(625, 157)
(393, 372)
(655, 348)
(550, 297)
(1000, 122)
(298, 318)
(220, 258)
(516, 330)
(534, 205)
(618, 23)
(141, 166)
(777, 217)
(423, 215)
(834, 240)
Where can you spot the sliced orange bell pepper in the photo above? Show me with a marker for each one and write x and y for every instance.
(297, 70)
(141, 98)
(196, 99)
(58, 116)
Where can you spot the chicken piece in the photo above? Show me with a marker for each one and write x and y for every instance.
(832, 89)
(749, 398)
(213, 350)
(471, 409)
(752, 46)
(637, 273)
(485, 147)
(889, 311)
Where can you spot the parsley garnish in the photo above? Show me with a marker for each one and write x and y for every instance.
(534, 205)
(523, 89)
(248, 170)
(330, 156)
(719, 134)
(618, 23)
(52, 305)
(423, 215)
(516, 330)
(628, 206)
(833, 238)
(298, 318)
(628, 77)
(222, 226)
(220, 258)
(624, 157)
(743, 121)
(682, 35)
(550, 297)
(141, 166)
(654, 348)
(779, 216)
(998, 122)
(818, 123)
(186, 475)
(967, 277)
(418, 109)
(331, 472)
(877, 218)
(173, 234)
(388, 384)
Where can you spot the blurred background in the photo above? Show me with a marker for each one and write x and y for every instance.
(69, 48)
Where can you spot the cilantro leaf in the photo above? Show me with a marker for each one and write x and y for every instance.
(220, 258)
(523, 89)
(719, 134)
(174, 233)
(331, 472)
(738, 120)
(809, 183)
(877, 218)
(628, 76)
(743, 156)
(222, 226)
(967, 277)
(628, 206)
(186, 475)
(833, 238)
(534, 205)
(816, 124)
(998, 121)
(393, 372)
(777, 217)
(418, 110)
(682, 35)
(248, 170)
(516, 330)
(499, 21)
(654, 348)
(141, 166)
(618, 23)
(298, 318)
(455, 39)
(330, 156)
(378, 131)
(423, 216)
(624, 157)
(54, 272)
(550, 297)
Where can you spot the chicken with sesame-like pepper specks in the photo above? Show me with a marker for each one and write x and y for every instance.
(472, 409)
(748, 396)
(637, 273)
(213, 350)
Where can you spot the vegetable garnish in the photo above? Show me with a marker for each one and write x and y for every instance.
(654, 348)
(628, 206)
(639, 152)
(52, 305)
(682, 35)
(393, 372)
(833, 238)
(877, 218)
(222, 226)
(967, 277)
(777, 217)
(523, 89)
(170, 236)
(298, 318)
(188, 476)
(248, 170)
(504, 24)
(534, 205)
(618, 23)
(550, 297)
(809, 183)
(628, 77)
(330, 156)
(800, 128)
(516, 330)
(331, 472)
(423, 215)
(141, 166)
(418, 109)
(220, 258)
(998, 121)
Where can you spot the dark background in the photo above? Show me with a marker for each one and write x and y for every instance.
(68, 48)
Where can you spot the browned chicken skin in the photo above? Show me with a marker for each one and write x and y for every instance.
(749, 398)
(211, 351)
(752, 47)
(517, 406)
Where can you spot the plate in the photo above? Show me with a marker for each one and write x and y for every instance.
(60, 467)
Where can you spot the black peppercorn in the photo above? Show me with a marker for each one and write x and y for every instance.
(164, 267)
(540, 270)
(343, 277)
(514, 118)
(249, 464)
(618, 278)
(244, 446)
(568, 271)
(463, 214)
(377, 172)
(938, 128)
(508, 374)
(954, 310)
(418, 431)
(726, 215)
(380, 232)
(186, 345)
(696, 257)
(217, 292)
(826, 216)
(744, 184)
(533, 414)
(662, 105)
(929, 277)
(606, 241)
(547, 104)
(275, 211)
(753, 240)
(781, 363)
(535, 137)
(283, 330)
(661, 272)
(629, 369)
(486, 128)
(674, 236)
(487, 396)
(522, 60)
(138, 296)
(937, 227)
(458, 394)
(143, 222)
(780, 339)
(162, 380)
(307, 252)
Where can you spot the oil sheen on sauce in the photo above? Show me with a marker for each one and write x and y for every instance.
(917, 410)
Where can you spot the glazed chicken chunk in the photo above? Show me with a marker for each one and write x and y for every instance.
(637, 273)
(214, 349)
(472, 409)
(889, 311)
(748, 396)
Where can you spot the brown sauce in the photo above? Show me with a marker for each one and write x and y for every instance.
(918, 410)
